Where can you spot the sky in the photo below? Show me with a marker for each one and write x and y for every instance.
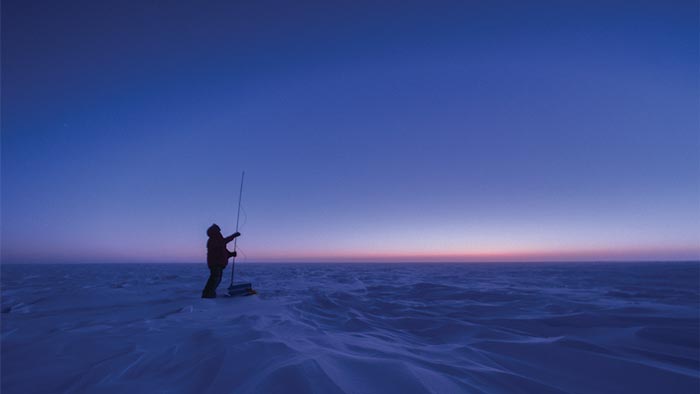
(369, 131)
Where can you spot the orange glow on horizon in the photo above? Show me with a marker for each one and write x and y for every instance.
(531, 255)
(627, 254)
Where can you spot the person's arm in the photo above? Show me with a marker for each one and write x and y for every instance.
(232, 254)
(231, 237)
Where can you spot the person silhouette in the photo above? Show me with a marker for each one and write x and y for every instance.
(217, 258)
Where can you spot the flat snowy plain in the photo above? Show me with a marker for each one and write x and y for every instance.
(353, 328)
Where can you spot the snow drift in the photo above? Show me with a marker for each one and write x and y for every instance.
(352, 328)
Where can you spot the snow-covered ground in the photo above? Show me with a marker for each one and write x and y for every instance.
(327, 328)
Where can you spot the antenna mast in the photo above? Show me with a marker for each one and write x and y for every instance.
(238, 217)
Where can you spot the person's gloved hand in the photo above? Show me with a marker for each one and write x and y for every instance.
(236, 234)
(234, 254)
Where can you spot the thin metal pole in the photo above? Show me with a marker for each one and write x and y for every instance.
(238, 217)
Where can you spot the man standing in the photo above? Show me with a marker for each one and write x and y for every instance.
(217, 258)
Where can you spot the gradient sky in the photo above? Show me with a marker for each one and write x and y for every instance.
(369, 131)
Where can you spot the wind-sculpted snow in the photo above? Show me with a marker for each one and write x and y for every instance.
(353, 328)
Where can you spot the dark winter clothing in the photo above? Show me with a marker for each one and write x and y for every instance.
(217, 259)
(217, 254)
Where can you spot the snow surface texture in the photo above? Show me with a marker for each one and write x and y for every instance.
(331, 328)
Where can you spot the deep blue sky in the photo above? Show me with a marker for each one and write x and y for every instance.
(369, 130)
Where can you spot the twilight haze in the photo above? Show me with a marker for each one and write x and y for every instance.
(369, 131)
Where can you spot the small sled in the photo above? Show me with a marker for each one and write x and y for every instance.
(241, 289)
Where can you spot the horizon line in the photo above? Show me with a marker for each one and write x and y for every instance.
(599, 261)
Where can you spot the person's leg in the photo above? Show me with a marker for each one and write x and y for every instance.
(218, 272)
(210, 288)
